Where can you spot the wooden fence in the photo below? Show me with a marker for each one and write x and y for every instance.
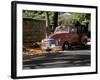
(33, 31)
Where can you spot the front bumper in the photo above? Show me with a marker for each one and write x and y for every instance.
(50, 44)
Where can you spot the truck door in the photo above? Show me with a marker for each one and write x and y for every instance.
(74, 37)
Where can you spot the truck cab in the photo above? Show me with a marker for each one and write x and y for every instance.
(64, 38)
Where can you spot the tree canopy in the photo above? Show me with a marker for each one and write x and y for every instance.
(56, 18)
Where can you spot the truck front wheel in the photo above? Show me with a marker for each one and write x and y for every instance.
(65, 46)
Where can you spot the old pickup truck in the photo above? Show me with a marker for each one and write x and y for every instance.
(64, 39)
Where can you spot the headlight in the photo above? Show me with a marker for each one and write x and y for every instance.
(42, 41)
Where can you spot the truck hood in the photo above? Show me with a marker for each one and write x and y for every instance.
(57, 34)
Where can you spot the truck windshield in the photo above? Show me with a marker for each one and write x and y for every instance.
(69, 29)
(61, 29)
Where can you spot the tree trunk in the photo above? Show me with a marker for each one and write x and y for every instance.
(47, 19)
(55, 20)
(47, 23)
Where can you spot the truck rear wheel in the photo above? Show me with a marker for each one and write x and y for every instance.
(84, 41)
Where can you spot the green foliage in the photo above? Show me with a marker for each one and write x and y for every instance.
(75, 18)
(34, 14)
(39, 15)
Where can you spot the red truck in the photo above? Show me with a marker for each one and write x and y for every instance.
(64, 39)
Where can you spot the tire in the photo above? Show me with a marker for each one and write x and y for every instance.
(84, 41)
(65, 46)
(84, 44)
